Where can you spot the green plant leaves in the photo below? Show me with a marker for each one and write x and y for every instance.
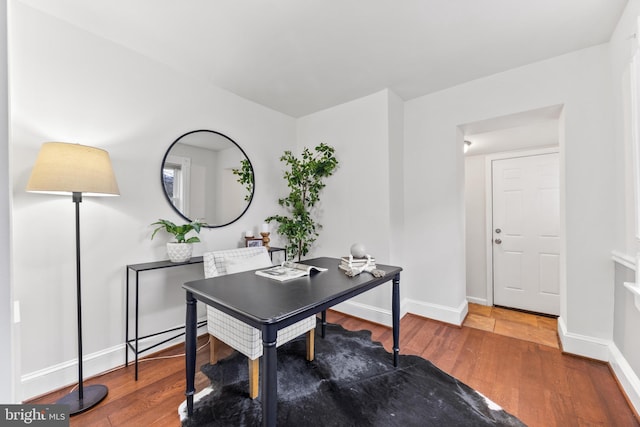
(179, 231)
(245, 177)
(304, 178)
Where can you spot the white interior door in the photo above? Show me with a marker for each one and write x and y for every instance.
(526, 228)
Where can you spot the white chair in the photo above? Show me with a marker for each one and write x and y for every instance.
(236, 334)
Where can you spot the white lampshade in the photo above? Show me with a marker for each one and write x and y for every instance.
(63, 168)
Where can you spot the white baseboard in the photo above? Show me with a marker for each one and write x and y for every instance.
(606, 351)
(54, 377)
(582, 345)
(442, 313)
(454, 316)
(625, 375)
(66, 373)
(369, 312)
(481, 301)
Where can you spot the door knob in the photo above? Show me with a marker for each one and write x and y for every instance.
(498, 241)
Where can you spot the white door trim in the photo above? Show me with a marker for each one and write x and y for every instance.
(489, 204)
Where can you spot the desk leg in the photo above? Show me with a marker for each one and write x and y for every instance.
(323, 318)
(191, 329)
(396, 318)
(269, 376)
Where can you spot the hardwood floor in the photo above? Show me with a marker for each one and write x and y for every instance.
(512, 323)
(533, 381)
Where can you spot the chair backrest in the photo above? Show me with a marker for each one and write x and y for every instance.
(215, 263)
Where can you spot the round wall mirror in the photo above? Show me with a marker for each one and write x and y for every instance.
(206, 176)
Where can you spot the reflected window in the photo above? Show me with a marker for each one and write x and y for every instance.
(171, 179)
(175, 172)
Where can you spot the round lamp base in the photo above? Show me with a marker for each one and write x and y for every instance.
(92, 395)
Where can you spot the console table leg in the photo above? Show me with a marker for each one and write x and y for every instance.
(137, 312)
(396, 318)
(191, 328)
(126, 322)
(269, 376)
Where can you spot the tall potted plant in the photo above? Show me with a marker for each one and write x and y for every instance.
(182, 248)
(305, 178)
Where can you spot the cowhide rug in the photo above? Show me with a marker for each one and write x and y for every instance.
(351, 382)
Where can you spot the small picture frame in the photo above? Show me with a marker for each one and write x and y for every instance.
(252, 243)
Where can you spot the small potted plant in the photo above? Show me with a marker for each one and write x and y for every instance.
(182, 248)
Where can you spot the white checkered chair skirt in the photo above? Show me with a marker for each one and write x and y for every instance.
(238, 335)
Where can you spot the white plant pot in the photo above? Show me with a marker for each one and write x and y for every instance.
(179, 252)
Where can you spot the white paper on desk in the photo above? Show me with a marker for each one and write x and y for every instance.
(289, 270)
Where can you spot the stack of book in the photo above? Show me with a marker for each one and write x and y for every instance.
(356, 262)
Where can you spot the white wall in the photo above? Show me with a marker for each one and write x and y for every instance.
(475, 229)
(356, 203)
(434, 207)
(68, 85)
(7, 365)
(396, 178)
(580, 81)
(623, 44)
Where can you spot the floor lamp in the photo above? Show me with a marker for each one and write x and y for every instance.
(76, 170)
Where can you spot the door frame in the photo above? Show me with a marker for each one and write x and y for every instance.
(489, 204)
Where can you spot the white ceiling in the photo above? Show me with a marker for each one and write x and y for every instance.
(533, 135)
(519, 131)
(302, 56)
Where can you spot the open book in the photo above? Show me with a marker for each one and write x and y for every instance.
(289, 270)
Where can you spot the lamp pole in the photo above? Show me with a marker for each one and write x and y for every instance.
(77, 400)
(77, 199)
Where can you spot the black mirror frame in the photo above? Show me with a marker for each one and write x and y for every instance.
(164, 191)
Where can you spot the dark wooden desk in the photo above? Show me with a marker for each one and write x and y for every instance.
(270, 305)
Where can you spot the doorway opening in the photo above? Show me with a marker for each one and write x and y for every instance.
(514, 136)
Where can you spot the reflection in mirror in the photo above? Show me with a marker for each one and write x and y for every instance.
(208, 177)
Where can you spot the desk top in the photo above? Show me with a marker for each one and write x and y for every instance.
(258, 300)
